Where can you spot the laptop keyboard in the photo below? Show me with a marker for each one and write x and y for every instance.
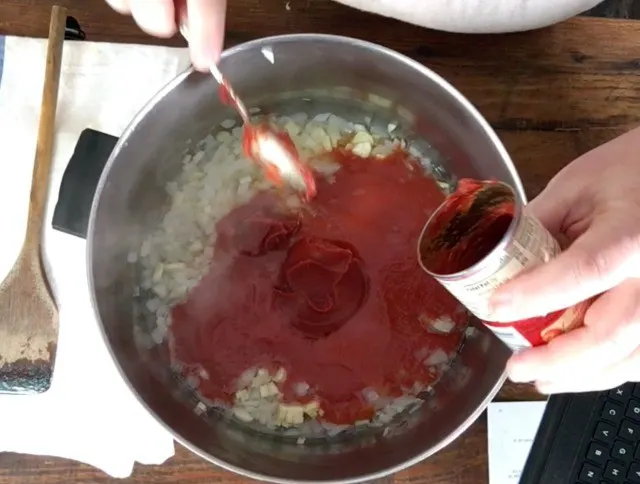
(612, 456)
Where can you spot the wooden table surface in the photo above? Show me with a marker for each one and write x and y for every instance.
(551, 95)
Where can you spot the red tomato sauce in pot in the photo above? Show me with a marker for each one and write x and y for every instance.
(332, 292)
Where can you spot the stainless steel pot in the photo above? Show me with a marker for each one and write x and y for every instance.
(314, 73)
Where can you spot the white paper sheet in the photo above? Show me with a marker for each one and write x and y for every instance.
(89, 414)
(512, 427)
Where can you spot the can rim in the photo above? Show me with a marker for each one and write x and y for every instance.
(482, 263)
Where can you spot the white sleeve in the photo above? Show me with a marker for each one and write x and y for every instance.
(476, 16)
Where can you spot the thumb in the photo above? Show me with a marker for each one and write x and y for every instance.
(598, 260)
(155, 17)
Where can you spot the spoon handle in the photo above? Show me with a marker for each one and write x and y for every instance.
(233, 97)
(217, 74)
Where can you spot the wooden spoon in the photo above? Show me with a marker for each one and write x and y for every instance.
(28, 312)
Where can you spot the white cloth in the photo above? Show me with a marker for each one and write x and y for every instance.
(88, 414)
(476, 16)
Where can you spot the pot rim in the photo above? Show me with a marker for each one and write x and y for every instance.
(144, 111)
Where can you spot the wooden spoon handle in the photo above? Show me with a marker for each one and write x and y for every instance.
(46, 128)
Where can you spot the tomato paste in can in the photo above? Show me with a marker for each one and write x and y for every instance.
(480, 238)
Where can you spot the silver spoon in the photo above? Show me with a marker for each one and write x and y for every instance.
(275, 152)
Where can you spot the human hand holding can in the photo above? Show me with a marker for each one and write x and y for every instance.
(479, 239)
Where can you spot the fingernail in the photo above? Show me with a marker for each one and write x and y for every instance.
(199, 61)
(518, 373)
(200, 65)
(545, 387)
(204, 55)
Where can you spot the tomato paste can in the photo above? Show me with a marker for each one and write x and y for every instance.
(479, 238)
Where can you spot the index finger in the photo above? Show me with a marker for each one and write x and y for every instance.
(598, 260)
(206, 31)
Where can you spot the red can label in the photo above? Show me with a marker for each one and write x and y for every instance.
(539, 331)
